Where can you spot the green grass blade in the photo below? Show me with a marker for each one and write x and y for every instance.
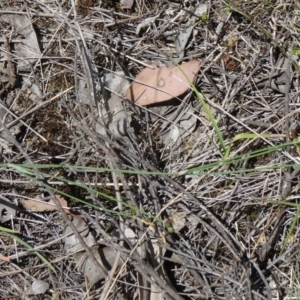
(207, 111)
(6, 230)
(243, 136)
(40, 256)
(30, 176)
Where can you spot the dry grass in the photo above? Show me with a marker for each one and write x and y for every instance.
(231, 242)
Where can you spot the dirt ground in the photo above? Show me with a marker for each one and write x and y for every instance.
(118, 187)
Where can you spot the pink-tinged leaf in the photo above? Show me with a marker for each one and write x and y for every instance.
(162, 84)
(38, 205)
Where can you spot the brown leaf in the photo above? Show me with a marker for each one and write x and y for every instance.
(38, 205)
(162, 84)
(230, 63)
(5, 258)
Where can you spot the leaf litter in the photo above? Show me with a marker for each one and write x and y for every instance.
(28, 50)
(162, 84)
(84, 57)
(38, 205)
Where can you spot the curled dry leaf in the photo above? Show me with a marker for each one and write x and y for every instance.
(162, 84)
(38, 205)
(106, 257)
(39, 287)
(27, 51)
(72, 244)
(126, 4)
